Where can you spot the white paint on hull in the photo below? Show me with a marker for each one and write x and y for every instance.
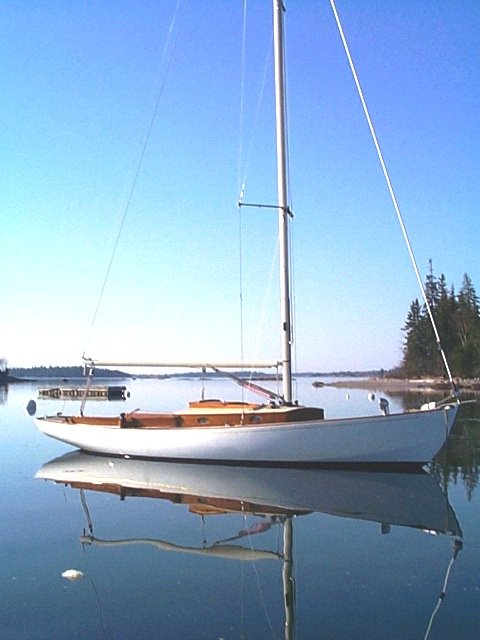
(398, 438)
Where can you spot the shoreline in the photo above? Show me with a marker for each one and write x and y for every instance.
(400, 385)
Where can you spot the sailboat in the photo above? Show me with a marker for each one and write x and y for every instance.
(280, 431)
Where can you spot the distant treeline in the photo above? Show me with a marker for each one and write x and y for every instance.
(78, 372)
(458, 321)
(62, 372)
(371, 373)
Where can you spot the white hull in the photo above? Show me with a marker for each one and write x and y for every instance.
(405, 499)
(407, 438)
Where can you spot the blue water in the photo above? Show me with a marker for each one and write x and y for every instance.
(147, 563)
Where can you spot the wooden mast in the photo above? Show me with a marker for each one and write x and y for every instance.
(283, 208)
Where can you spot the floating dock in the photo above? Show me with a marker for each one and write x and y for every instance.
(78, 393)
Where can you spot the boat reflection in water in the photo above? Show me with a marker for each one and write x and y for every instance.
(275, 494)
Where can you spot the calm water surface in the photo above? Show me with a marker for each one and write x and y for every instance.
(185, 551)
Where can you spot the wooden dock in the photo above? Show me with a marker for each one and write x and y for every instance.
(78, 393)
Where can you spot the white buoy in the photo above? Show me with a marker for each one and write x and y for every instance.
(347, 396)
(371, 397)
(73, 574)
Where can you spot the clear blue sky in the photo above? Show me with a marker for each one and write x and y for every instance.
(79, 85)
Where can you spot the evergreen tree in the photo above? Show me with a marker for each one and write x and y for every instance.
(444, 315)
(431, 286)
(458, 323)
(432, 362)
(416, 342)
(467, 355)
